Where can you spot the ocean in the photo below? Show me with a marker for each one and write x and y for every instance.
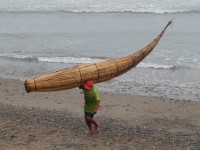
(43, 36)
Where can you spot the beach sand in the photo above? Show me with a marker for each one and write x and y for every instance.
(55, 121)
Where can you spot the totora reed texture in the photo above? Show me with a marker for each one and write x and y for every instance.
(98, 72)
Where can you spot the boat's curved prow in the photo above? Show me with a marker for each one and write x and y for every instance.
(98, 72)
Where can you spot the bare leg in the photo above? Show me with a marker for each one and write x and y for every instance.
(90, 120)
(88, 124)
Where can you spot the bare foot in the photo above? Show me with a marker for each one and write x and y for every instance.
(89, 132)
(97, 128)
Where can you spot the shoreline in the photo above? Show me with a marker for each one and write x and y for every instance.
(55, 120)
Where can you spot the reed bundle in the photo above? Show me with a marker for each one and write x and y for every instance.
(98, 72)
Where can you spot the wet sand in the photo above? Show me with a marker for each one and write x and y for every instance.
(54, 121)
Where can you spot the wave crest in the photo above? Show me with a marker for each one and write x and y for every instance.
(81, 60)
(155, 66)
(69, 60)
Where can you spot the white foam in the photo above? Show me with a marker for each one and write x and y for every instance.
(71, 60)
(17, 56)
(155, 66)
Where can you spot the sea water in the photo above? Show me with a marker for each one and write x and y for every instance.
(43, 36)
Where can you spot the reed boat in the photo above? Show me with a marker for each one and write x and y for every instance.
(98, 72)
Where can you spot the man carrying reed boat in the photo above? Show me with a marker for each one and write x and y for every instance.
(98, 72)
(92, 101)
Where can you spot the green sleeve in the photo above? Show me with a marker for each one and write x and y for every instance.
(96, 94)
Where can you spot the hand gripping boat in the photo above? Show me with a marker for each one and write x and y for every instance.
(98, 72)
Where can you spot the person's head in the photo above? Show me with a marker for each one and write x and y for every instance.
(88, 84)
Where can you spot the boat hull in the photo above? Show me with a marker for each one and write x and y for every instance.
(98, 72)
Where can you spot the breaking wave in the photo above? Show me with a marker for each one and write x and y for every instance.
(69, 60)
(155, 66)
(81, 60)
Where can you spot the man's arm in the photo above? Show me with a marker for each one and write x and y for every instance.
(96, 107)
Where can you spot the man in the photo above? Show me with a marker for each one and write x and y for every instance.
(92, 101)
